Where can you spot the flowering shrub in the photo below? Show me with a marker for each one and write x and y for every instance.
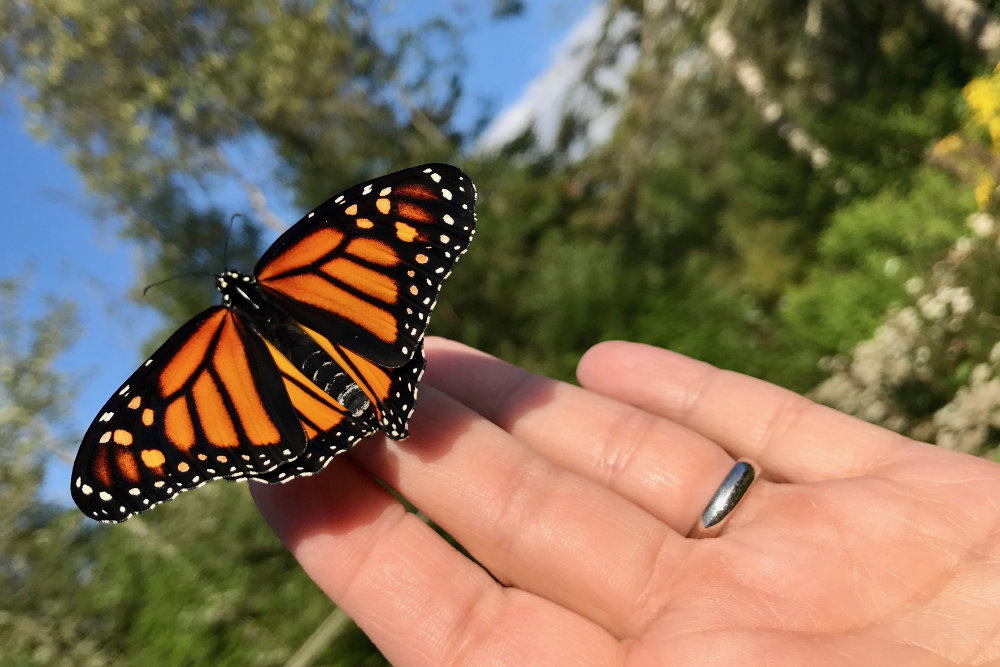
(932, 369)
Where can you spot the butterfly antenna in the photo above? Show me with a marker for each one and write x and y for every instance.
(167, 280)
(229, 234)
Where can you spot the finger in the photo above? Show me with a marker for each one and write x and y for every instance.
(790, 436)
(664, 468)
(532, 525)
(420, 600)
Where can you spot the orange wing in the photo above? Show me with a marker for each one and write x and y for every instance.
(208, 404)
(365, 267)
(328, 425)
(391, 391)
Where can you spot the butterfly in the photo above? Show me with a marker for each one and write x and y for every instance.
(320, 347)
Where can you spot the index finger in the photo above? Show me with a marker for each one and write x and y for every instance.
(791, 437)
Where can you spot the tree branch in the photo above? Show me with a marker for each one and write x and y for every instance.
(972, 23)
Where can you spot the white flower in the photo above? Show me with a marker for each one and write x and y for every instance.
(932, 307)
(961, 301)
(962, 249)
(981, 224)
(980, 373)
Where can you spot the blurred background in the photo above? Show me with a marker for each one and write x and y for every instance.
(801, 190)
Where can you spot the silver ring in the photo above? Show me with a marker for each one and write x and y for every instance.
(732, 490)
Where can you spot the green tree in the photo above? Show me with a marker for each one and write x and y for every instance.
(157, 101)
(747, 130)
(156, 104)
(35, 536)
(201, 581)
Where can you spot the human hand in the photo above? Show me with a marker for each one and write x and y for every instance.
(858, 546)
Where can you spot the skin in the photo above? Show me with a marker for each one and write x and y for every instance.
(858, 546)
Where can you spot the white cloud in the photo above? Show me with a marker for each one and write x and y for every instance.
(561, 90)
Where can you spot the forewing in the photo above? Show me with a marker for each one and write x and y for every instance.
(365, 267)
(208, 404)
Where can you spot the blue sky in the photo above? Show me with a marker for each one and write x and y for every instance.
(49, 236)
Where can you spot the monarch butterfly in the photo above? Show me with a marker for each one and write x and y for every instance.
(320, 347)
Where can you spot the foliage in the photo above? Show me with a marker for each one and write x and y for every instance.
(32, 539)
(932, 368)
(871, 248)
(702, 225)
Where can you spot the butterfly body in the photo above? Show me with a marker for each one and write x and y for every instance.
(242, 294)
(320, 347)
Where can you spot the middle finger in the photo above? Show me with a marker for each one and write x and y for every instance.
(661, 466)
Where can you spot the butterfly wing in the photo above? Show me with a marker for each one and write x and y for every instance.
(324, 447)
(392, 392)
(200, 408)
(330, 427)
(208, 404)
(365, 267)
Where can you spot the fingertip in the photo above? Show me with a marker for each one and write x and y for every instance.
(600, 352)
(439, 344)
(612, 356)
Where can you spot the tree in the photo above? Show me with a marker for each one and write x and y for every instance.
(155, 104)
(747, 129)
(33, 410)
(155, 101)
(202, 581)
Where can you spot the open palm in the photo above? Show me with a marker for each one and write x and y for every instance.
(859, 546)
